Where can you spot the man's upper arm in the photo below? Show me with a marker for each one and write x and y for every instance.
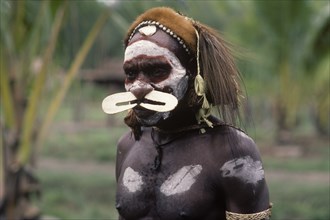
(244, 180)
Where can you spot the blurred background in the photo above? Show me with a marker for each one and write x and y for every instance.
(59, 59)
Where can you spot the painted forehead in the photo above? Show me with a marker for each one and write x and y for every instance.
(148, 28)
(150, 49)
(162, 39)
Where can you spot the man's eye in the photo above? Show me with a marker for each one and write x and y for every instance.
(158, 72)
(130, 74)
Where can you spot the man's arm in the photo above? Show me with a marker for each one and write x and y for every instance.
(245, 187)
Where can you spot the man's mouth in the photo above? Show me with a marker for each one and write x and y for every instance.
(155, 101)
(146, 101)
(142, 112)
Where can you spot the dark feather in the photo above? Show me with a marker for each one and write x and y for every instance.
(220, 73)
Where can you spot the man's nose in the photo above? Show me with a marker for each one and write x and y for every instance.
(141, 89)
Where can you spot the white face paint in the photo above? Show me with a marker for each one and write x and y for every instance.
(244, 168)
(181, 181)
(177, 79)
(132, 180)
(150, 49)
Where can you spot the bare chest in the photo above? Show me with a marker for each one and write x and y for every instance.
(180, 189)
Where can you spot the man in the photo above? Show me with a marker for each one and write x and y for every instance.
(178, 161)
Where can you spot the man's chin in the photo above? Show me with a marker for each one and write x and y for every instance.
(150, 118)
(143, 113)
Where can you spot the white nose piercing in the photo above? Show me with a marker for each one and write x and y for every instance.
(163, 102)
(118, 102)
(167, 101)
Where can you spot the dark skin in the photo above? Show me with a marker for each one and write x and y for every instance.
(175, 171)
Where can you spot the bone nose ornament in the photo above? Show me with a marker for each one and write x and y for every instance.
(170, 101)
(116, 103)
(163, 102)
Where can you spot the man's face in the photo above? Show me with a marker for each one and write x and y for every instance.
(151, 66)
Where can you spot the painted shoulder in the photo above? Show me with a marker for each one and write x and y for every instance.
(244, 170)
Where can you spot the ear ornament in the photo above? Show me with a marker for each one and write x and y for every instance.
(200, 89)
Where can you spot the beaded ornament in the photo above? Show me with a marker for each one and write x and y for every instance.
(161, 26)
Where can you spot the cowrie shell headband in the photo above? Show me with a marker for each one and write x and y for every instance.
(161, 102)
(150, 29)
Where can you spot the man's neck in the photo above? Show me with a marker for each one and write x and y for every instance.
(177, 121)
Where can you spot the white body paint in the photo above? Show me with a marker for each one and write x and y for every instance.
(181, 181)
(132, 180)
(244, 168)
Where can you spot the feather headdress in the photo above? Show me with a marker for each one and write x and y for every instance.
(216, 78)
